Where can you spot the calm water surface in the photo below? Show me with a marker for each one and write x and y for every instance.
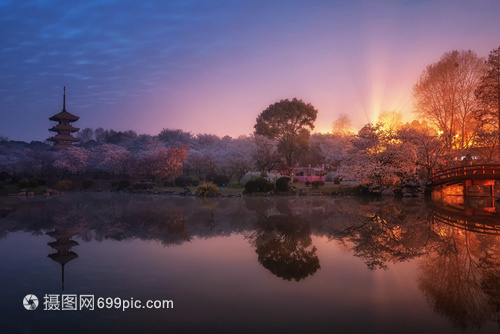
(251, 265)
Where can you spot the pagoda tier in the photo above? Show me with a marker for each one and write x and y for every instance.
(64, 115)
(64, 129)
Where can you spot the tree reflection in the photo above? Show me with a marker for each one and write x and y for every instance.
(461, 273)
(388, 232)
(284, 245)
(457, 251)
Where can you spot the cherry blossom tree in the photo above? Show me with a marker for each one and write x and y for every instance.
(114, 159)
(72, 160)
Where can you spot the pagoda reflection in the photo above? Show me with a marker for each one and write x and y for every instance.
(62, 245)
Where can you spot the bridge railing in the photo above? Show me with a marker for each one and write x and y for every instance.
(466, 172)
(463, 224)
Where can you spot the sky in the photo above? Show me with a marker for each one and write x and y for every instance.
(208, 66)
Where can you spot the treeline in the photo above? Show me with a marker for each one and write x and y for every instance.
(457, 100)
(378, 154)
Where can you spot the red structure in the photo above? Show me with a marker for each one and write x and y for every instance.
(309, 174)
(64, 139)
(468, 176)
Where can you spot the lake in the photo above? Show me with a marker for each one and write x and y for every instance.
(110, 262)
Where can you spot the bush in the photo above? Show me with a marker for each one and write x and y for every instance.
(183, 181)
(307, 183)
(24, 183)
(282, 184)
(87, 183)
(221, 180)
(4, 176)
(315, 184)
(207, 189)
(251, 187)
(168, 183)
(2, 183)
(64, 185)
(260, 184)
(34, 183)
(115, 183)
(143, 185)
(41, 182)
(124, 184)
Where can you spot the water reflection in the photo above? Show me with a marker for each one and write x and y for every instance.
(283, 241)
(62, 245)
(455, 244)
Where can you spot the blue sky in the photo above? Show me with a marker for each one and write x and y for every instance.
(213, 66)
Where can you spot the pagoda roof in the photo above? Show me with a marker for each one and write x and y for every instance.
(63, 244)
(61, 234)
(63, 138)
(64, 115)
(62, 127)
(63, 257)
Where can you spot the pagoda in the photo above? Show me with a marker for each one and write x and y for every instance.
(63, 139)
(63, 245)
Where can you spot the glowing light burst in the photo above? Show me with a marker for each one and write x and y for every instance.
(387, 87)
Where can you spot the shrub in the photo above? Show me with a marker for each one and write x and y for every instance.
(24, 183)
(63, 185)
(115, 183)
(307, 183)
(168, 183)
(182, 181)
(124, 184)
(41, 182)
(221, 180)
(251, 187)
(260, 184)
(4, 176)
(2, 183)
(282, 184)
(87, 183)
(34, 183)
(315, 184)
(207, 189)
(143, 185)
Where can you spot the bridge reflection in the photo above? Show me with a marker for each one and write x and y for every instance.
(472, 214)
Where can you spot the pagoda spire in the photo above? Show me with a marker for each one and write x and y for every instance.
(64, 98)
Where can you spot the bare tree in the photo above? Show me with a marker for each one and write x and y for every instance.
(342, 125)
(445, 95)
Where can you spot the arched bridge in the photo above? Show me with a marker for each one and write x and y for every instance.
(466, 173)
